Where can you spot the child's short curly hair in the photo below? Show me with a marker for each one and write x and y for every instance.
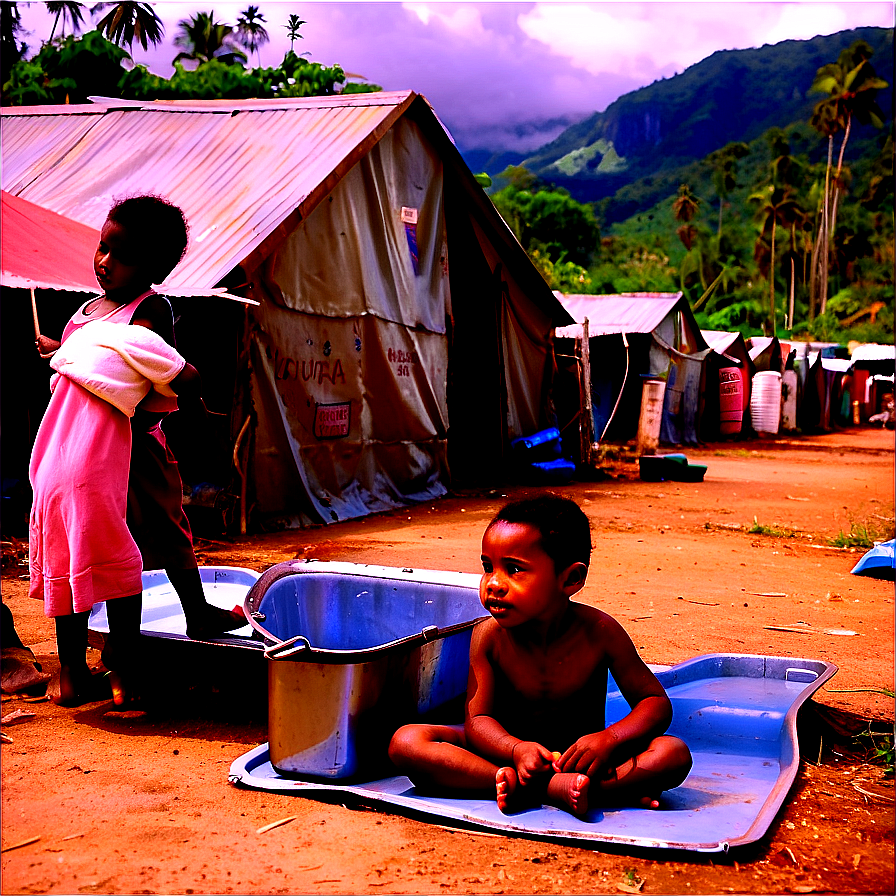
(565, 530)
(159, 230)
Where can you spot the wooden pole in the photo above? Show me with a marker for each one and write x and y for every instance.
(586, 425)
(34, 314)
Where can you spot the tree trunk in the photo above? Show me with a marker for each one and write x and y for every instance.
(835, 201)
(822, 243)
(771, 278)
(792, 290)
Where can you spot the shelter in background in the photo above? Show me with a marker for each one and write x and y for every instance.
(733, 348)
(632, 336)
(873, 368)
(370, 363)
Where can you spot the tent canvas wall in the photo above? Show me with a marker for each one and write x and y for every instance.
(401, 327)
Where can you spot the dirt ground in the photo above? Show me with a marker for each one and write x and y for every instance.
(111, 802)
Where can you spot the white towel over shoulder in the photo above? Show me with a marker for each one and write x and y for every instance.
(119, 363)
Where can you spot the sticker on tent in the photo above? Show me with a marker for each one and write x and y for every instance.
(332, 421)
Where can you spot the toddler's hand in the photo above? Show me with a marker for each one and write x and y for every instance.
(529, 759)
(589, 755)
(46, 346)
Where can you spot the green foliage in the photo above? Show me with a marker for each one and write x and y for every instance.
(879, 746)
(71, 69)
(630, 265)
(202, 39)
(731, 97)
(66, 71)
(562, 275)
(771, 531)
(838, 323)
(355, 87)
(546, 219)
(861, 535)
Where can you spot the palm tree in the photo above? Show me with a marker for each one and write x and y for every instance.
(775, 205)
(685, 207)
(724, 173)
(293, 23)
(129, 22)
(204, 39)
(251, 31)
(686, 204)
(851, 86)
(71, 11)
(11, 48)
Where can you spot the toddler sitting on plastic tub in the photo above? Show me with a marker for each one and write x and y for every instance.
(534, 729)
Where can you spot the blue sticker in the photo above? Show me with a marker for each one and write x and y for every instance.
(411, 233)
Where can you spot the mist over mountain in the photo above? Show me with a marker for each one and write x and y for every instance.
(651, 134)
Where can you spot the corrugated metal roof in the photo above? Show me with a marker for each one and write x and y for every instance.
(623, 313)
(719, 340)
(237, 169)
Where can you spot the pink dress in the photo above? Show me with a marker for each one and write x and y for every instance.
(80, 549)
(156, 515)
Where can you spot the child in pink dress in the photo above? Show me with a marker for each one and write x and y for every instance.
(80, 549)
(143, 239)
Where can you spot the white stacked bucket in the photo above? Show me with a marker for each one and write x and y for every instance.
(765, 402)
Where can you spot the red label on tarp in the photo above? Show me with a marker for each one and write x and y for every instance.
(332, 421)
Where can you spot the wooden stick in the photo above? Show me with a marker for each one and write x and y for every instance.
(34, 314)
(276, 824)
(18, 845)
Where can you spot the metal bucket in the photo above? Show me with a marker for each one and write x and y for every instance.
(356, 651)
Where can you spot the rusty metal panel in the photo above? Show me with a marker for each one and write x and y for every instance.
(237, 169)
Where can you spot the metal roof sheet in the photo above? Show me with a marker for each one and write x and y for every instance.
(237, 169)
(719, 340)
(623, 313)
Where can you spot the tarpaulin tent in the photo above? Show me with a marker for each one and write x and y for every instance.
(371, 360)
(634, 335)
(40, 249)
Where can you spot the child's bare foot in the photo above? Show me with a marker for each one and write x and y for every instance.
(214, 622)
(124, 694)
(71, 689)
(506, 783)
(570, 790)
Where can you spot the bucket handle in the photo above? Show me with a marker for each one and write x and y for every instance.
(287, 648)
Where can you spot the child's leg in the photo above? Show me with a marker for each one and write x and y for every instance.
(436, 757)
(662, 765)
(122, 655)
(76, 684)
(203, 620)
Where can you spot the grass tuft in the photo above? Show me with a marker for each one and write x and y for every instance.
(771, 531)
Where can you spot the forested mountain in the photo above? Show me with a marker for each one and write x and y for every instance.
(653, 133)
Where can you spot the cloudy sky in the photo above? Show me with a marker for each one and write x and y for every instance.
(513, 75)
